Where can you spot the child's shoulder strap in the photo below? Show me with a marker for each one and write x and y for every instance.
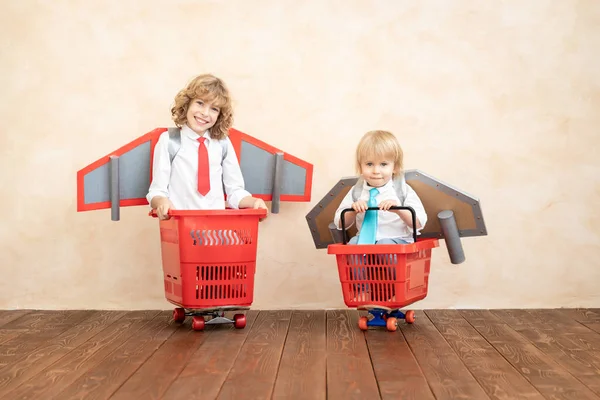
(175, 144)
(357, 189)
(400, 187)
(223, 144)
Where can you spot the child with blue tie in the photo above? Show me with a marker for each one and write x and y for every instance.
(379, 160)
(380, 184)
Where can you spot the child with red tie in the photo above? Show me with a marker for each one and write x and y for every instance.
(205, 163)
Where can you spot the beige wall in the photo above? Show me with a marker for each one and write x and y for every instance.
(501, 99)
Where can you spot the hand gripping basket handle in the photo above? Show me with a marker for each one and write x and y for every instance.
(153, 213)
(412, 213)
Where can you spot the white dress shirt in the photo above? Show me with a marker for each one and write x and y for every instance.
(179, 181)
(389, 224)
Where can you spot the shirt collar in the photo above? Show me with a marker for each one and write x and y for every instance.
(384, 188)
(188, 132)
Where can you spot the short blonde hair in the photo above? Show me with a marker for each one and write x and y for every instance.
(208, 88)
(381, 144)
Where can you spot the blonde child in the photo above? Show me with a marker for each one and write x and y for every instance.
(379, 163)
(199, 172)
(379, 160)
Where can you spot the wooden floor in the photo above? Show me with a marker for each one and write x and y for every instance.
(499, 354)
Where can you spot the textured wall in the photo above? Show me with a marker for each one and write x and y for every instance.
(500, 99)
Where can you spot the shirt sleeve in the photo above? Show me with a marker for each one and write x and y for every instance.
(413, 200)
(233, 181)
(346, 203)
(161, 169)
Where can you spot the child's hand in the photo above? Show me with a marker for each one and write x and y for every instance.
(255, 203)
(260, 203)
(360, 206)
(162, 205)
(387, 204)
(163, 210)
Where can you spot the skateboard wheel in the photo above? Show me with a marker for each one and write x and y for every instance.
(363, 323)
(179, 315)
(239, 321)
(409, 317)
(198, 323)
(392, 324)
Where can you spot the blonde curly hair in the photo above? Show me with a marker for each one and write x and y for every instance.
(211, 89)
(380, 144)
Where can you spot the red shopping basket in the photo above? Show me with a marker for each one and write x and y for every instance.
(209, 257)
(384, 278)
(390, 275)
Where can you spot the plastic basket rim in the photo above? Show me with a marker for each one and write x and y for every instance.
(225, 212)
(422, 244)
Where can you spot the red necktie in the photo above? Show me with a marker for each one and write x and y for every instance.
(203, 170)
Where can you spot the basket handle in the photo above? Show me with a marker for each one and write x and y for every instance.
(412, 213)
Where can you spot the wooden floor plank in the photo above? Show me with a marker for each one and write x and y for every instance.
(7, 316)
(210, 362)
(594, 326)
(349, 373)
(448, 377)
(590, 322)
(39, 320)
(101, 381)
(254, 372)
(41, 327)
(568, 351)
(52, 350)
(558, 325)
(583, 339)
(514, 318)
(303, 367)
(582, 315)
(157, 374)
(498, 377)
(555, 320)
(30, 320)
(588, 317)
(10, 334)
(548, 377)
(68, 369)
(398, 374)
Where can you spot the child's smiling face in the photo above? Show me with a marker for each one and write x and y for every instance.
(377, 171)
(202, 115)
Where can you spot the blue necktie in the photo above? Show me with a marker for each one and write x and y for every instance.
(368, 230)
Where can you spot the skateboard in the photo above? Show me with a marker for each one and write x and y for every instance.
(217, 314)
(384, 316)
